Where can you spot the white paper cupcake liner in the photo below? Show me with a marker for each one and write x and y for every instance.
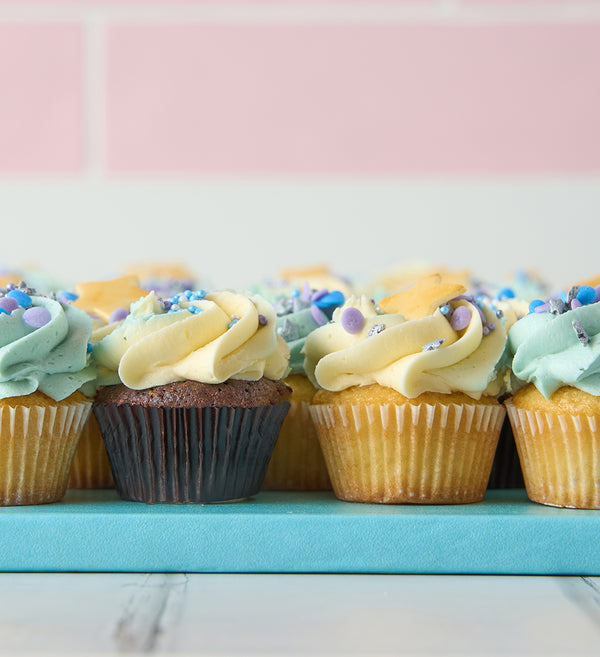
(37, 444)
(407, 453)
(560, 456)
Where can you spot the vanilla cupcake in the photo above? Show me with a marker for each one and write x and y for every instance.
(297, 462)
(192, 402)
(556, 415)
(408, 410)
(44, 365)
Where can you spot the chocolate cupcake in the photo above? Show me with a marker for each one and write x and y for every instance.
(199, 403)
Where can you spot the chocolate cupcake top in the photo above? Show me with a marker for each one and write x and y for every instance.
(43, 345)
(194, 336)
(430, 338)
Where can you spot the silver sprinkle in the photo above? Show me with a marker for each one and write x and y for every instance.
(572, 293)
(378, 310)
(375, 329)
(434, 344)
(582, 336)
(557, 306)
(499, 314)
(289, 331)
(283, 307)
(298, 304)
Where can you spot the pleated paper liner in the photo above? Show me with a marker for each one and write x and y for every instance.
(560, 456)
(297, 463)
(186, 455)
(91, 468)
(506, 467)
(37, 444)
(406, 453)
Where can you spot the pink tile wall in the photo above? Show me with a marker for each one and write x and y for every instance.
(374, 98)
(41, 101)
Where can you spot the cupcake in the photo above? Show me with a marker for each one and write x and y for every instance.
(44, 366)
(407, 411)
(193, 400)
(297, 462)
(556, 413)
(107, 303)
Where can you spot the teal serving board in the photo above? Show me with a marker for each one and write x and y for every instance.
(93, 531)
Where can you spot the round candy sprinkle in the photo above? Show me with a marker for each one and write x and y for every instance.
(8, 304)
(295, 292)
(460, 318)
(318, 315)
(195, 309)
(262, 320)
(445, 310)
(505, 293)
(352, 320)
(575, 303)
(486, 330)
(586, 295)
(536, 303)
(335, 298)
(117, 315)
(166, 304)
(20, 297)
(36, 317)
(10, 286)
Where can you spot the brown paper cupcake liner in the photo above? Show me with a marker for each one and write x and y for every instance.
(297, 462)
(91, 468)
(183, 455)
(560, 457)
(37, 444)
(420, 454)
(506, 467)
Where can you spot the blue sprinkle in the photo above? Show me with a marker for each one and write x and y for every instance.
(201, 293)
(335, 298)
(445, 310)
(534, 304)
(194, 309)
(175, 299)
(563, 296)
(3, 310)
(71, 296)
(232, 322)
(505, 293)
(20, 297)
(187, 294)
(89, 348)
(296, 292)
(586, 295)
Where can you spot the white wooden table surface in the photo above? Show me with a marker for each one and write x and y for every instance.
(371, 615)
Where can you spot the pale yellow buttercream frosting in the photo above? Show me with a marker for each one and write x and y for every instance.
(394, 357)
(224, 339)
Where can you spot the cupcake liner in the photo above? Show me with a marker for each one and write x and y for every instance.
(406, 453)
(297, 462)
(182, 455)
(37, 444)
(506, 468)
(560, 457)
(91, 468)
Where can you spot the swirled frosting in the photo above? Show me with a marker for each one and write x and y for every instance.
(413, 356)
(555, 350)
(43, 346)
(300, 314)
(200, 337)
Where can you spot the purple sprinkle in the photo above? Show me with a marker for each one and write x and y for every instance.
(117, 315)
(461, 318)
(9, 304)
(36, 317)
(306, 291)
(10, 286)
(352, 320)
(167, 304)
(262, 320)
(319, 295)
(597, 288)
(318, 315)
(575, 303)
(541, 309)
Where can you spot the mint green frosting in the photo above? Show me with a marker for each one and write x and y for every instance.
(52, 359)
(547, 352)
(294, 328)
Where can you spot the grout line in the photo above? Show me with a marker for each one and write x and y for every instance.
(94, 98)
(438, 11)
